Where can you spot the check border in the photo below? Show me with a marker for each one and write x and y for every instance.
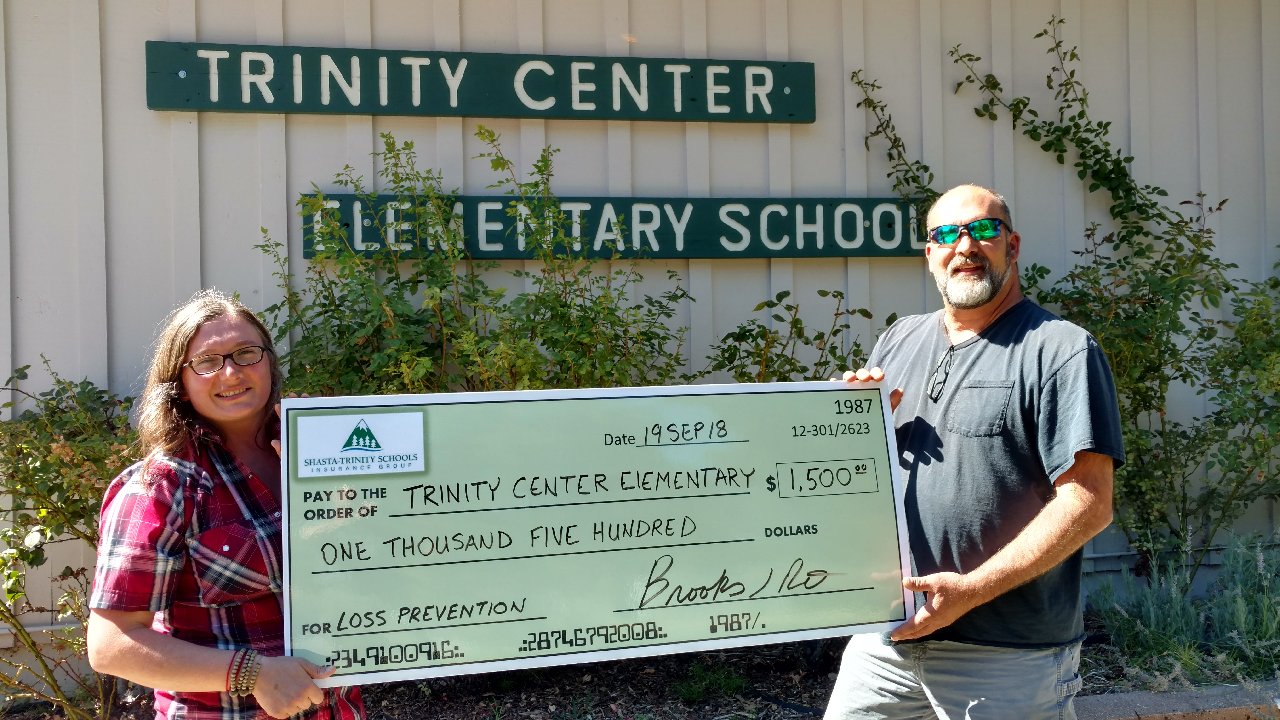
(296, 408)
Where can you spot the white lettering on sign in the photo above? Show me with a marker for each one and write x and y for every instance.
(297, 79)
(608, 228)
(397, 81)
(574, 210)
(522, 217)
(249, 77)
(329, 71)
(415, 77)
(640, 95)
(317, 220)
(888, 243)
(453, 78)
(714, 89)
(759, 91)
(764, 227)
(357, 229)
(680, 223)
(578, 86)
(382, 81)
(814, 228)
(645, 227)
(541, 66)
(213, 56)
(838, 226)
(677, 91)
(744, 237)
(392, 225)
(484, 225)
(657, 227)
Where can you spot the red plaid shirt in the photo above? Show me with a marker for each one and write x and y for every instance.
(195, 538)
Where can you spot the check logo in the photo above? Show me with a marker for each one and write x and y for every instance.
(361, 439)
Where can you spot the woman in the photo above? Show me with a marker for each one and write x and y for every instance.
(187, 592)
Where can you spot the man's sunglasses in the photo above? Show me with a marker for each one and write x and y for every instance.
(978, 230)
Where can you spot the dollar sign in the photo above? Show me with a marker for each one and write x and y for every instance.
(771, 483)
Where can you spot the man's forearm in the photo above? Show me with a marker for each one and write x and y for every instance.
(1079, 510)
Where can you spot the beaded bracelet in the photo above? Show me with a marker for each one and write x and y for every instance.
(245, 674)
(236, 658)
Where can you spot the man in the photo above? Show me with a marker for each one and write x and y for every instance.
(1008, 431)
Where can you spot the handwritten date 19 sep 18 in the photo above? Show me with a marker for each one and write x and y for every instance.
(664, 589)
(678, 433)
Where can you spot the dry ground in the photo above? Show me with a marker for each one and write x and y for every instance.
(762, 683)
(771, 682)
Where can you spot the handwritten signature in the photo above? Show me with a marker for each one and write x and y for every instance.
(662, 591)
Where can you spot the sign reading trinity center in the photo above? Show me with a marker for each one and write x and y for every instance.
(284, 79)
(645, 228)
(430, 535)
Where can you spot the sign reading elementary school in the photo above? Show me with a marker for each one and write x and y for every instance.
(284, 79)
(647, 228)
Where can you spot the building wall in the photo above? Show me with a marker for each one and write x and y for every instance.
(111, 214)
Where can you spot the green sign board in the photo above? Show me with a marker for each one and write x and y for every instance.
(651, 228)
(288, 79)
(435, 535)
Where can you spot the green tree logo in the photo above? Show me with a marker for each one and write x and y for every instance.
(361, 438)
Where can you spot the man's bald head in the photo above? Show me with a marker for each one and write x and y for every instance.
(942, 209)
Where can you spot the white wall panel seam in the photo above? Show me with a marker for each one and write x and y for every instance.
(933, 99)
(274, 203)
(450, 133)
(697, 162)
(1003, 133)
(1206, 28)
(776, 27)
(856, 161)
(1073, 196)
(361, 135)
(618, 132)
(530, 39)
(616, 28)
(1207, 99)
(1269, 235)
(1139, 90)
(6, 246)
(450, 139)
(185, 220)
(90, 196)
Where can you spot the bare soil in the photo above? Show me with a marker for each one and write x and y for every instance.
(771, 682)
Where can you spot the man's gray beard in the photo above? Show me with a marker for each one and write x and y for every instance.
(972, 293)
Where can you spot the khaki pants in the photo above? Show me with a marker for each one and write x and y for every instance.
(954, 681)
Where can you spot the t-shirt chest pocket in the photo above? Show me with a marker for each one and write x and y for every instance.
(980, 408)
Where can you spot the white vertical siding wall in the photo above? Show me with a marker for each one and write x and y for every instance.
(111, 214)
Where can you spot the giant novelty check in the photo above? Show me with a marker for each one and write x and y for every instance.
(430, 535)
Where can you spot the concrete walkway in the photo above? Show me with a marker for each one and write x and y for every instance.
(1224, 702)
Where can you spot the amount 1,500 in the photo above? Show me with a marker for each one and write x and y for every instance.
(815, 479)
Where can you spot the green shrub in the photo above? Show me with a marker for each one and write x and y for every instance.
(425, 322)
(756, 352)
(1243, 610)
(1230, 634)
(55, 458)
(1148, 287)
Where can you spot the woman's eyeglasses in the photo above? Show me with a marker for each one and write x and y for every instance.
(979, 230)
(210, 364)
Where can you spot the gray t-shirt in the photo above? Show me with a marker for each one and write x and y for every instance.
(1017, 403)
